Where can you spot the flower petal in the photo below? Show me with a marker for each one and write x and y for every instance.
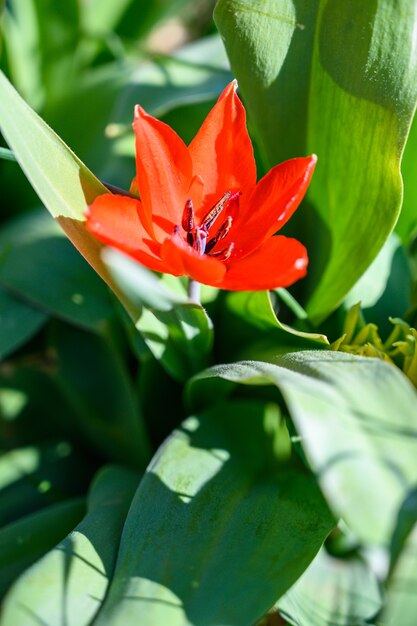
(184, 261)
(114, 220)
(163, 173)
(222, 151)
(279, 262)
(274, 199)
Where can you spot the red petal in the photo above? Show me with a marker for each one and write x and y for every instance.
(222, 152)
(279, 262)
(184, 261)
(114, 220)
(273, 201)
(163, 172)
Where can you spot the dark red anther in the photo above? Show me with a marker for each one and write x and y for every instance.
(221, 234)
(215, 211)
(188, 216)
(225, 254)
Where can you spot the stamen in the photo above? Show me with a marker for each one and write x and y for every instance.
(225, 254)
(200, 238)
(221, 234)
(188, 217)
(214, 212)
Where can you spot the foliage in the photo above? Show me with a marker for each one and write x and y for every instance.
(251, 459)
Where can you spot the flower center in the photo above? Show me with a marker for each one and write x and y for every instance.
(202, 238)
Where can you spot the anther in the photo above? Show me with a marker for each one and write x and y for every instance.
(225, 254)
(221, 234)
(188, 216)
(215, 211)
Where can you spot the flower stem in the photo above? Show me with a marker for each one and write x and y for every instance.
(194, 291)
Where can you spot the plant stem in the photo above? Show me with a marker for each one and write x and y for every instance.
(194, 291)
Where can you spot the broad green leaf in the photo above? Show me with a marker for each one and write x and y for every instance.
(67, 586)
(25, 541)
(220, 525)
(101, 395)
(250, 329)
(37, 476)
(18, 323)
(178, 332)
(60, 281)
(338, 79)
(357, 422)
(401, 597)
(332, 592)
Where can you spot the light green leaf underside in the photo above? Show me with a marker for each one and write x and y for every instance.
(357, 420)
(332, 592)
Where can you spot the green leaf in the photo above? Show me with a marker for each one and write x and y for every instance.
(220, 524)
(19, 322)
(26, 540)
(67, 288)
(101, 395)
(336, 79)
(357, 421)
(250, 329)
(69, 583)
(178, 332)
(332, 592)
(37, 476)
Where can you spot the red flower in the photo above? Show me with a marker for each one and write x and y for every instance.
(201, 213)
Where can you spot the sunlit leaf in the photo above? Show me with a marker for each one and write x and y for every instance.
(219, 526)
(357, 422)
(338, 79)
(67, 586)
(332, 592)
(24, 541)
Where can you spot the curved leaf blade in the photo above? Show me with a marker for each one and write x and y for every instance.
(67, 586)
(219, 526)
(338, 79)
(356, 418)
